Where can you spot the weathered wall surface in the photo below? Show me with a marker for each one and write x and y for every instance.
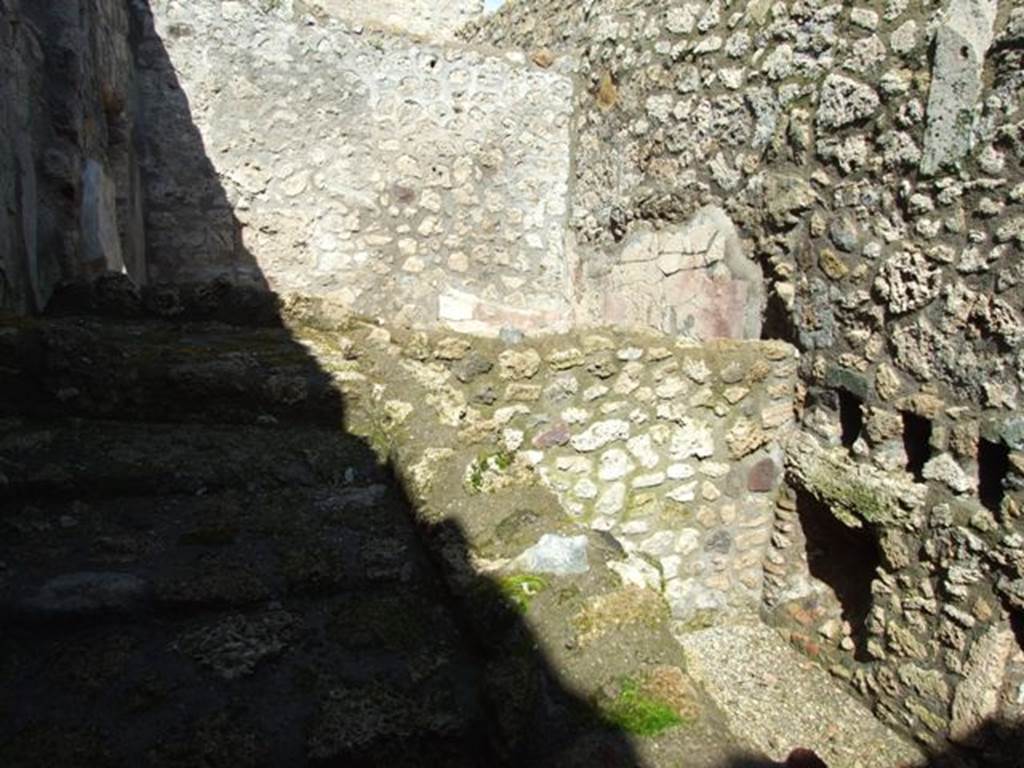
(856, 167)
(870, 156)
(429, 18)
(676, 452)
(408, 181)
(692, 280)
(67, 170)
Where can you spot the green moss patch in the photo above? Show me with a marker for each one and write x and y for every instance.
(483, 467)
(851, 501)
(700, 620)
(520, 589)
(637, 711)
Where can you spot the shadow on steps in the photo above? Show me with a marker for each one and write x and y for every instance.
(201, 562)
(205, 564)
(193, 575)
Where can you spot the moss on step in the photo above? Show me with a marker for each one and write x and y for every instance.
(855, 493)
(486, 464)
(636, 710)
(520, 589)
(851, 501)
(608, 612)
(701, 619)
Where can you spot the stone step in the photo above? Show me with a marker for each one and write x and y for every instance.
(226, 613)
(139, 555)
(165, 371)
(85, 459)
(234, 522)
(776, 700)
(338, 681)
(601, 647)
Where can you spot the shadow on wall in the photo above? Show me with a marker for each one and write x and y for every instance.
(239, 582)
(997, 745)
(189, 221)
(241, 528)
(992, 745)
(846, 559)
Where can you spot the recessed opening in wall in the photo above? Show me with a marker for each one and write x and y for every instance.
(1017, 625)
(917, 436)
(851, 417)
(993, 466)
(843, 558)
(777, 322)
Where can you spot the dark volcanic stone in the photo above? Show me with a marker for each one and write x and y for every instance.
(558, 435)
(761, 478)
(472, 366)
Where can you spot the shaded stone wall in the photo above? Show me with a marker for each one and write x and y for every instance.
(68, 191)
(20, 59)
(410, 181)
(870, 156)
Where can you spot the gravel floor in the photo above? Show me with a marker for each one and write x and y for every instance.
(777, 700)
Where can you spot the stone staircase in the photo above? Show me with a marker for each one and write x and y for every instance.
(224, 544)
(202, 574)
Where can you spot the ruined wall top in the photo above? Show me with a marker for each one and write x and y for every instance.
(435, 19)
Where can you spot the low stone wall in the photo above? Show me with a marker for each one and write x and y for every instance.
(409, 181)
(670, 448)
(666, 453)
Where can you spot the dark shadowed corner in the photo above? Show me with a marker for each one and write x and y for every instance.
(203, 564)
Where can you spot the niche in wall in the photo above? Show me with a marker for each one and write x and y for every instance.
(993, 467)
(845, 559)
(917, 435)
(851, 417)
